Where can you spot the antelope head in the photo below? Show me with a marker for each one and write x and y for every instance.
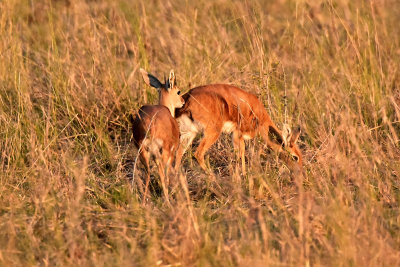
(289, 139)
(169, 93)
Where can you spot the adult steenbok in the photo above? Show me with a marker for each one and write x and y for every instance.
(219, 108)
(155, 130)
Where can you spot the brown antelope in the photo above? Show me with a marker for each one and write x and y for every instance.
(219, 108)
(155, 131)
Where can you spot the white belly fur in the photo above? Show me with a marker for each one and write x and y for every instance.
(247, 137)
(188, 129)
(186, 125)
(228, 127)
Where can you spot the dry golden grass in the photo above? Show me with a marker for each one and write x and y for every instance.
(69, 84)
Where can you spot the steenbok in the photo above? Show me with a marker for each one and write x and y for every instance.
(219, 108)
(155, 130)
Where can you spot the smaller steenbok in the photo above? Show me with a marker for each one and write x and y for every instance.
(213, 109)
(155, 130)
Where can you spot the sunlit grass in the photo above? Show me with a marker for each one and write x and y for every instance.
(69, 86)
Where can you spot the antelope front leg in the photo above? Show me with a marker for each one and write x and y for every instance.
(210, 136)
(161, 172)
(239, 145)
(165, 163)
(144, 158)
(185, 141)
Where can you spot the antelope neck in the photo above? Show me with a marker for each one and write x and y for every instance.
(164, 102)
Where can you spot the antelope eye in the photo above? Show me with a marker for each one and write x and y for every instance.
(296, 158)
(179, 92)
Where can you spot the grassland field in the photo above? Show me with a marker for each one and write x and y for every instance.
(70, 192)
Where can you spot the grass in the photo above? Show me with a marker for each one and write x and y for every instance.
(69, 85)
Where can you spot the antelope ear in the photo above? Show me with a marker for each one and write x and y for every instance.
(171, 80)
(295, 136)
(150, 80)
(286, 134)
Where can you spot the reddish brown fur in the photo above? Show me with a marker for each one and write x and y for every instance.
(156, 121)
(155, 130)
(211, 106)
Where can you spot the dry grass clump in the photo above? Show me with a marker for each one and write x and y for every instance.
(69, 85)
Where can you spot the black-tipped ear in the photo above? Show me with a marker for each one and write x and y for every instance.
(150, 80)
(166, 83)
